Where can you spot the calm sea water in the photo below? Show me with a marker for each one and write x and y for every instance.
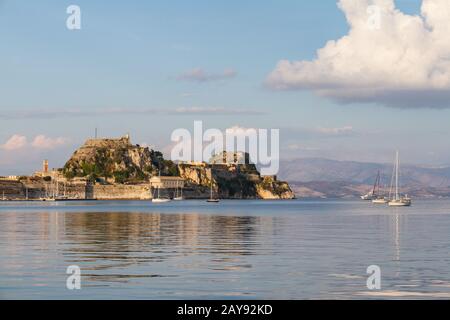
(233, 250)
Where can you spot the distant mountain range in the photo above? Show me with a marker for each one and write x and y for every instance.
(318, 177)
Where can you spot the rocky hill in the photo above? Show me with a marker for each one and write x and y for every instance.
(118, 161)
(115, 160)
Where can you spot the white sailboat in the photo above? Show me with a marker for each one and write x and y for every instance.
(369, 196)
(378, 198)
(211, 198)
(395, 199)
(158, 199)
(178, 197)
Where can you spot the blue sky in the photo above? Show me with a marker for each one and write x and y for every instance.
(123, 72)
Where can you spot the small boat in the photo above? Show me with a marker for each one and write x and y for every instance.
(160, 200)
(367, 197)
(378, 198)
(400, 203)
(211, 198)
(178, 197)
(380, 201)
(397, 200)
(371, 195)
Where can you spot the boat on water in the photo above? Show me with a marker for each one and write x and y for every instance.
(397, 200)
(380, 201)
(367, 197)
(158, 198)
(212, 199)
(378, 197)
(178, 196)
(371, 195)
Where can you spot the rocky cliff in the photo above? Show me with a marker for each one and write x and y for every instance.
(231, 181)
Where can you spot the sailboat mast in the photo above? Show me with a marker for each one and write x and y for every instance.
(159, 174)
(211, 183)
(396, 177)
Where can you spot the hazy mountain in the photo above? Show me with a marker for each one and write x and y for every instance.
(318, 177)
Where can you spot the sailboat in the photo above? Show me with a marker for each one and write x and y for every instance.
(158, 199)
(211, 198)
(178, 197)
(378, 198)
(396, 200)
(369, 196)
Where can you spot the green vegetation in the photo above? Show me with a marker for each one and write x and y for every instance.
(116, 162)
(171, 168)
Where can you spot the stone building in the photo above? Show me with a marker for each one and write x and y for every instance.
(166, 182)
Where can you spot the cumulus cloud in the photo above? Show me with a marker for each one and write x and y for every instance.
(387, 57)
(202, 76)
(18, 141)
(15, 142)
(43, 142)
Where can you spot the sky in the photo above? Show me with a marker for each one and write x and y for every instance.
(313, 69)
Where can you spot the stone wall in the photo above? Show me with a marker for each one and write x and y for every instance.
(11, 189)
(121, 192)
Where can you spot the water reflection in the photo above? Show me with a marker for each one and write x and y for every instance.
(110, 245)
(276, 250)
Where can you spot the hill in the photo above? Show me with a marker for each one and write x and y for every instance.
(318, 177)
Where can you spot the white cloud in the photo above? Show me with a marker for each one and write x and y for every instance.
(200, 75)
(403, 62)
(18, 141)
(15, 142)
(336, 131)
(43, 142)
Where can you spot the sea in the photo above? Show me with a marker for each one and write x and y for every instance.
(235, 249)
